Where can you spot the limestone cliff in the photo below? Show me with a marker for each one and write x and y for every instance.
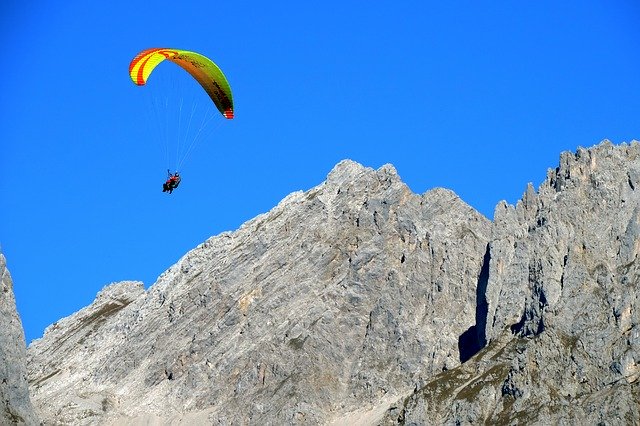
(360, 302)
(15, 405)
(560, 311)
(338, 300)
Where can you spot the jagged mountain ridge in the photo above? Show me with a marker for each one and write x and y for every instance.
(355, 303)
(349, 294)
(561, 306)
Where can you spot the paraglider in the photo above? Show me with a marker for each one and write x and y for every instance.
(208, 75)
(200, 67)
(173, 180)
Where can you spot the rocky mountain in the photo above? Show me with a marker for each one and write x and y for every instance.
(342, 298)
(360, 302)
(560, 312)
(15, 405)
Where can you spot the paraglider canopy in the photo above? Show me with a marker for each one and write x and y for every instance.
(200, 67)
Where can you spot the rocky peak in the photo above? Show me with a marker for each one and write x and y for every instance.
(360, 302)
(348, 294)
(560, 315)
(15, 404)
(584, 216)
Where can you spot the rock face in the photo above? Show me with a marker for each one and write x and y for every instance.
(560, 311)
(15, 405)
(330, 307)
(66, 350)
(359, 302)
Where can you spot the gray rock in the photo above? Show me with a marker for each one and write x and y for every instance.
(562, 308)
(330, 306)
(66, 347)
(15, 405)
(359, 302)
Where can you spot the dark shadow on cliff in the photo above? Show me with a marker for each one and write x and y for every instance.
(474, 339)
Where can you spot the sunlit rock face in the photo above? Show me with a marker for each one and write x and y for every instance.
(335, 303)
(360, 302)
(561, 307)
(15, 405)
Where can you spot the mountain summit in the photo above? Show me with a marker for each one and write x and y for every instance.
(360, 302)
(343, 297)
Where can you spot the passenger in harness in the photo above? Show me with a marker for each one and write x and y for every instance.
(173, 180)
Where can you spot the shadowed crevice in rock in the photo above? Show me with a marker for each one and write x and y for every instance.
(532, 321)
(482, 306)
(474, 339)
(468, 344)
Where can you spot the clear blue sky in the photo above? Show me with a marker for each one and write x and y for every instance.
(478, 97)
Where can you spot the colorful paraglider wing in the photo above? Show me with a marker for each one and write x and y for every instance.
(200, 67)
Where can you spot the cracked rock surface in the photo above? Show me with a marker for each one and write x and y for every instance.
(15, 405)
(560, 310)
(334, 303)
(360, 302)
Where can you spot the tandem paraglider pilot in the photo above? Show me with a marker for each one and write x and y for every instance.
(173, 180)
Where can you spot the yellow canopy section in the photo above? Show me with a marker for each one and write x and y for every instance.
(200, 67)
